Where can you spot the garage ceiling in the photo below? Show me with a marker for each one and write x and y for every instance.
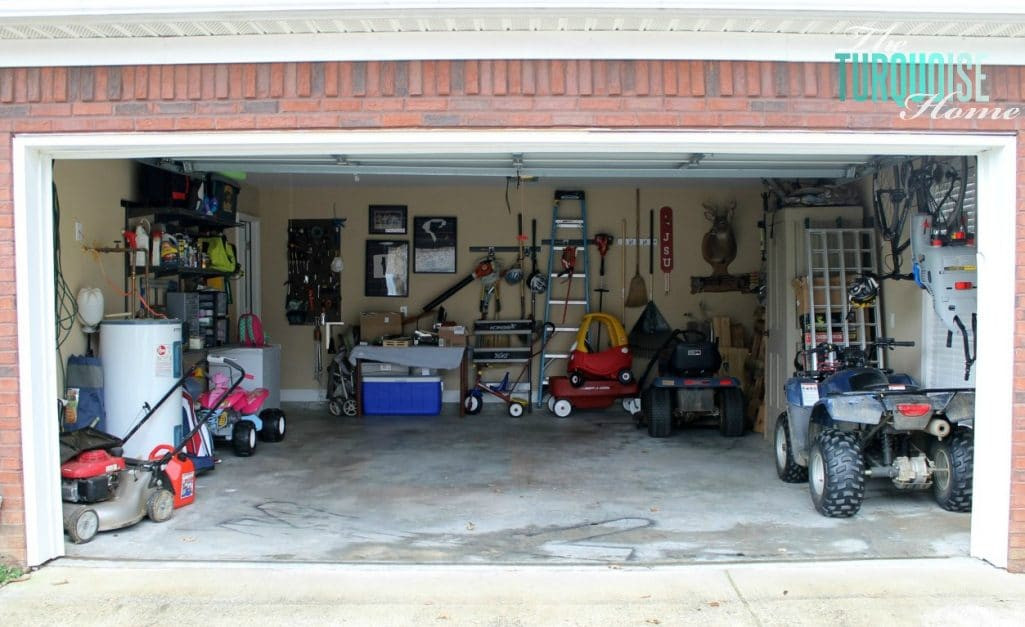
(580, 165)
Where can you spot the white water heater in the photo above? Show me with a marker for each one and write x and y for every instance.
(142, 360)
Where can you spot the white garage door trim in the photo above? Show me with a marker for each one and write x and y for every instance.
(33, 154)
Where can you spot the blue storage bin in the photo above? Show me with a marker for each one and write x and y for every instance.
(391, 396)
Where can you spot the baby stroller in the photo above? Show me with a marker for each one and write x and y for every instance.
(341, 397)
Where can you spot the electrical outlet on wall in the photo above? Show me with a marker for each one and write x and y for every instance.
(79, 235)
(404, 310)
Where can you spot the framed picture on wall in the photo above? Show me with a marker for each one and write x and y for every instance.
(387, 219)
(387, 269)
(434, 245)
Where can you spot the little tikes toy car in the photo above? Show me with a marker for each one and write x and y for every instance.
(615, 362)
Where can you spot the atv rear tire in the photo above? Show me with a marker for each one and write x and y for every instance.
(273, 425)
(952, 476)
(731, 412)
(836, 474)
(787, 469)
(243, 438)
(657, 405)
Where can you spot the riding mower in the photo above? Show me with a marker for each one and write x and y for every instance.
(848, 420)
(687, 388)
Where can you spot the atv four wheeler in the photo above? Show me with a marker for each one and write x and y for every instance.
(688, 389)
(847, 421)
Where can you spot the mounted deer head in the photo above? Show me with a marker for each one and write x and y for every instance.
(719, 246)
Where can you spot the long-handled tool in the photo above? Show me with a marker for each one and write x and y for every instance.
(637, 296)
(518, 266)
(622, 286)
(482, 268)
(537, 282)
(651, 253)
(602, 241)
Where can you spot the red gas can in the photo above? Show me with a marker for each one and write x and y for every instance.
(182, 474)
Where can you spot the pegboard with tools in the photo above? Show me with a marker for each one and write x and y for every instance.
(314, 271)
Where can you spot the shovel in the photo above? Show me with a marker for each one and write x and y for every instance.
(638, 293)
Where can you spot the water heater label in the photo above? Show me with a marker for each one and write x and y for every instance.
(164, 360)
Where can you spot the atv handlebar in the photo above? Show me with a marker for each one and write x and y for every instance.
(849, 355)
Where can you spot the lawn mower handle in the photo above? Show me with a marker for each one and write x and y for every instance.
(210, 359)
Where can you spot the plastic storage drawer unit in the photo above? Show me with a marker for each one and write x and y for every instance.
(391, 396)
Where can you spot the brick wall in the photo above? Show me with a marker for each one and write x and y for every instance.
(446, 94)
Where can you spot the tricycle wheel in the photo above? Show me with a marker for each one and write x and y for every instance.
(515, 409)
(335, 408)
(625, 376)
(243, 438)
(349, 407)
(551, 404)
(576, 379)
(731, 412)
(952, 475)
(562, 408)
(82, 524)
(160, 505)
(836, 474)
(786, 468)
(472, 404)
(658, 407)
(273, 425)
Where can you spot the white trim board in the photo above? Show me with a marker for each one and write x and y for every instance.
(404, 46)
(32, 155)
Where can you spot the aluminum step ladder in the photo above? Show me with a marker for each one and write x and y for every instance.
(567, 301)
(835, 256)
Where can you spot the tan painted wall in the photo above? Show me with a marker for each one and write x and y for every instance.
(90, 192)
(483, 220)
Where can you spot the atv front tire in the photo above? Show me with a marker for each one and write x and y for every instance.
(731, 412)
(657, 405)
(787, 469)
(243, 438)
(952, 475)
(836, 474)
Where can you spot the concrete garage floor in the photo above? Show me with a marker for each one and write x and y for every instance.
(536, 490)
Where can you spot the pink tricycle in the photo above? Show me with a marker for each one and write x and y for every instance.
(235, 414)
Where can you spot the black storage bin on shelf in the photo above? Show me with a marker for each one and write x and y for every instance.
(158, 187)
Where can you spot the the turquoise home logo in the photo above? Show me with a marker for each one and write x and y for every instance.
(943, 86)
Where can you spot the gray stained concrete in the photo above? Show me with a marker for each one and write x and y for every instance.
(535, 490)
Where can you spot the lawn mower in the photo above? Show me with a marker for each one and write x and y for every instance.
(687, 389)
(614, 362)
(103, 491)
(849, 420)
(232, 413)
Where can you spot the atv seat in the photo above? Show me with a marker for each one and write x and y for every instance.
(869, 379)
